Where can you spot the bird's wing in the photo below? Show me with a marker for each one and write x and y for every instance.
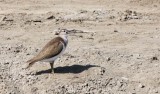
(51, 49)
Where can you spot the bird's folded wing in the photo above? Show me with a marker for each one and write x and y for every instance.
(52, 49)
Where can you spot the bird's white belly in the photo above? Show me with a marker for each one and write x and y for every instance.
(55, 57)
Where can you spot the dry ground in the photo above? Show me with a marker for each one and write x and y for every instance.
(118, 54)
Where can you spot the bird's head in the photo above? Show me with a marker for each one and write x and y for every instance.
(62, 32)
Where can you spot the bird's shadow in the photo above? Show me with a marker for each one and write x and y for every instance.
(68, 69)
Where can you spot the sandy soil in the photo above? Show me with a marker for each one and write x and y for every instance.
(118, 51)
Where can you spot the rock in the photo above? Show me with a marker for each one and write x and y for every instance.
(8, 38)
(102, 71)
(108, 59)
(6, 63)
(28, 54)
(141, 86)
(115, 30)
(51, 17)
(154, 58)
(37, 21)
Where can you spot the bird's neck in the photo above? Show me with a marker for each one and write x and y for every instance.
(65, 38)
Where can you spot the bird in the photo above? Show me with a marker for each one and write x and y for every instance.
(52, 50)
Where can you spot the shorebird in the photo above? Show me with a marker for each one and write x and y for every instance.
(52, 50)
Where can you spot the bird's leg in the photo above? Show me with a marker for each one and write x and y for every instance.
(52, 68)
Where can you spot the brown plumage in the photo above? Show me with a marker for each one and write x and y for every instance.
(51, 49)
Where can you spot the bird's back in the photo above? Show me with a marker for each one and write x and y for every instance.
(51, 49)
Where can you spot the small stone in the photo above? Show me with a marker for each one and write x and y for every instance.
(102, 71)
(50, 17)
(17, 51)
(154, 58)
(109, 24)
(81, 36)
(8, 38)
(156, 91)
(115, 30)
(9, 49)
(86, 84)
(37, 21)
(34, 89)
(108, 59)
(36, 50)
(63, 86)
(72, 56)
(27, 54)
(100, 91)
(141, 86)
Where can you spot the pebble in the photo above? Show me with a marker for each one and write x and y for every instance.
(154, 58)
(141, 86)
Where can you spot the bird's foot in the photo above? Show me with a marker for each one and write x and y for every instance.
(52, 71)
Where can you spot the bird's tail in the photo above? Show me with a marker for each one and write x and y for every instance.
(30, 62)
